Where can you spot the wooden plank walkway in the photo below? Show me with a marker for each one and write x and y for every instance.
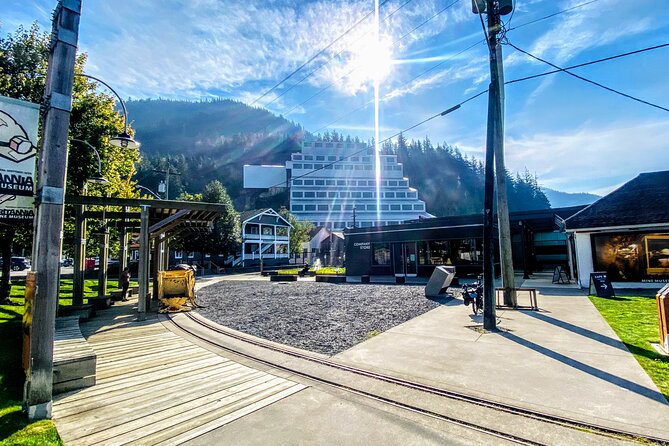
(154, 387)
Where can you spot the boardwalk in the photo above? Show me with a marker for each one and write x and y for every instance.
(154, 387)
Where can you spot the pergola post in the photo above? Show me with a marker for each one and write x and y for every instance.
(104, 256)
(123, 239)
(156, 263)
(79, 255)
(143, 276)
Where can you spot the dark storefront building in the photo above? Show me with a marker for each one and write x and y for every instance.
(415, 248)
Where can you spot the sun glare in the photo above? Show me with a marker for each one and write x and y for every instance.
(372, 59)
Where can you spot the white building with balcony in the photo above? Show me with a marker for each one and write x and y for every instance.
(264, 233)
(334, 183)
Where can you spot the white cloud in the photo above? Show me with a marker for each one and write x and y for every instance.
(591, 158)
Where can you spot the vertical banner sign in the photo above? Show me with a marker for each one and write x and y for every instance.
(18, 150)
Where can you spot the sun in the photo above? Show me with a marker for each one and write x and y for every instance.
(372, 59)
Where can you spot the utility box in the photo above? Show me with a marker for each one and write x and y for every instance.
(441, 278)
(175, 289)
(663, 314)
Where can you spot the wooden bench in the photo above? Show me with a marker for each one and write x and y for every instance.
(531, 292)
(73, 358)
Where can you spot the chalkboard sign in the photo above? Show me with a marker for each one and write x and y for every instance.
(600, 285)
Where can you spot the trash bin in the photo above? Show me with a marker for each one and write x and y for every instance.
(663, 314)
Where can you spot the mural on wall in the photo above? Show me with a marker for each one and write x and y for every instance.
(632, 257)
(18, 150)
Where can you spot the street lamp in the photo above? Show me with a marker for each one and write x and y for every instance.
(152, 193)
(122, 140)
(98, 177)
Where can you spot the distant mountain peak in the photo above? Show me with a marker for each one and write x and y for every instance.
(560, 199)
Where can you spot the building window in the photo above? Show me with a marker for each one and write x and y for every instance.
(356, 195)
(308, 157)
(417, 207)
(309, 207)
(406, 207)
(368, 167)
(297, 207)
(178, 254)
(297, 157)
(412, 195)
(322, 207)
(381, 255)
(297, 195)
(308, 182)
(390, 194)
(318, 166)
(384, 207)
(395, 207)
(308, 166)
(341, 183)
(321, 194)
(309, 194)
(282, 249)
(191, 255)
(359, 167)
(332, 194)
(330, 182)
(348, 207)
(336, 207)
(371, 207)
(268, 230)
(332, 158)
(320, 182)
(282, 231)
(367, 195)
(297, 182)
(401, 195)
(392, 183)
(365, 159)
(297, 166)
(328, 167)
(355, 159)
(348, 167)
(320, 158)
(338, 167)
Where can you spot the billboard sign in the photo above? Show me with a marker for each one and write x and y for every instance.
(18, 150)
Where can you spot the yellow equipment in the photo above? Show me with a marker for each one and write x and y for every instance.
(175, 289)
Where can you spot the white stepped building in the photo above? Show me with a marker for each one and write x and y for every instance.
(329, 180)
(333, 183)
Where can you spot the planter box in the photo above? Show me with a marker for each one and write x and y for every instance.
(331, 279)
(100, 303)
(283, 278)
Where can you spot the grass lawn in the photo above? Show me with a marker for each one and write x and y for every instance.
(635, 321)
(14, 427)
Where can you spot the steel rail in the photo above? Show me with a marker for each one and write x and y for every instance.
(502, 407)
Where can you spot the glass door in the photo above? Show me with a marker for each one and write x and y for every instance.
(405, 260)
(398, 259)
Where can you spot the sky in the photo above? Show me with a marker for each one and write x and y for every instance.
(426, 55)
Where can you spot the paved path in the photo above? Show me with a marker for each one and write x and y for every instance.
(153, 387)
(564, 359)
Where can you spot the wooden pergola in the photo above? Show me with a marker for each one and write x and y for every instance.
(158, 222)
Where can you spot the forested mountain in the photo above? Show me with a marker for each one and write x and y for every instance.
(206, 141)
(564, 199)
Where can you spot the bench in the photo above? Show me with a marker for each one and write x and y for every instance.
(531, 292)
(116, 295)
(73, 358)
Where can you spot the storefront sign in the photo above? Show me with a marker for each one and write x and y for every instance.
(18, 150)
(600, 285)
(362, 245)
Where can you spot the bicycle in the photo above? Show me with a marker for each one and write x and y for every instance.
(473, 294)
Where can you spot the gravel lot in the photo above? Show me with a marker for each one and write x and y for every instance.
(320, 317)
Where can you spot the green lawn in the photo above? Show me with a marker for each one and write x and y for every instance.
(635, 321)
(14, 427)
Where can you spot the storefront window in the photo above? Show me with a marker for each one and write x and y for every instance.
(632, 257)
(381, 254)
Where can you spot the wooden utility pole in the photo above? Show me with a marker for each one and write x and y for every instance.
(47, 241)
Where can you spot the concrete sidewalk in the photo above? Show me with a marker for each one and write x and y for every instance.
(564, 360)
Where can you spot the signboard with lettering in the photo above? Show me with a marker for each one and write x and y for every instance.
(600, 285)
(18, 150)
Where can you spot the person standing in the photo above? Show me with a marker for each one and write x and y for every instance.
(125, 283)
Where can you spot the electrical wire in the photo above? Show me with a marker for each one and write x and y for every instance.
(457, 106)
(580, 5)
(312, 58)
(565, 70)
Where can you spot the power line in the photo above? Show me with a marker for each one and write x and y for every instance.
(355, 68)
(328, 61)
(580, 5)
(617, 56)
(564, 70)
(316, 55)
(457, 106)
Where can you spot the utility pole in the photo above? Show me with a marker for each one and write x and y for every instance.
(495, 154)
(165, 187)
(47, 242)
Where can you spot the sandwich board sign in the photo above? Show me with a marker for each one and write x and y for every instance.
(18, 150)
(600, 285)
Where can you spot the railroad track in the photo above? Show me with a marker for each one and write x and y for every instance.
(564, 422)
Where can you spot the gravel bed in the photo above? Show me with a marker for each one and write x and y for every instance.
(320, 317)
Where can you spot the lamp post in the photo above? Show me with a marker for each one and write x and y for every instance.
(146, 189)
(122, 140)
(80, 232)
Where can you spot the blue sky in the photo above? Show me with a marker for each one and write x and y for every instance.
(573, 135)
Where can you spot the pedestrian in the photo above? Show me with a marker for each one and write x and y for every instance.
(125, 283)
